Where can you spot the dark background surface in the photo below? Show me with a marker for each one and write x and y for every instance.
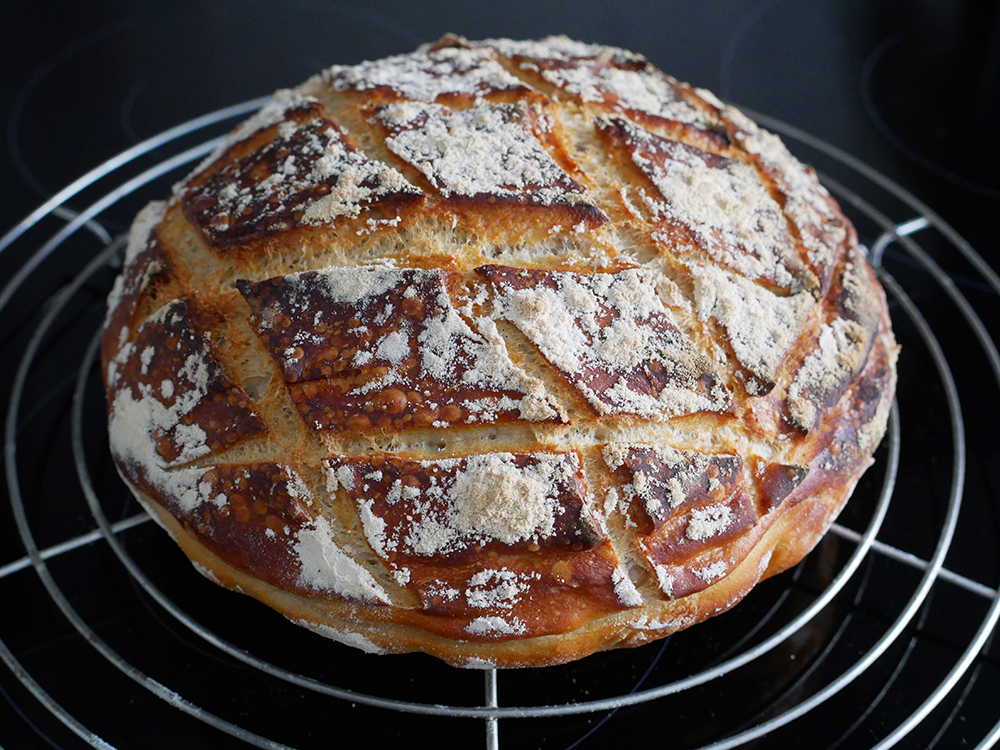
(910, 88)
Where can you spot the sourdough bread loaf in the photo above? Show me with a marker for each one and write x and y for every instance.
(503, 351)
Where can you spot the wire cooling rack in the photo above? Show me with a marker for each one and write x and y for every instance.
(880, 638)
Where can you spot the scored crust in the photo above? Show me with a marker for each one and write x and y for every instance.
(507, 352)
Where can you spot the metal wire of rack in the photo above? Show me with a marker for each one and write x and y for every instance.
(775, 628)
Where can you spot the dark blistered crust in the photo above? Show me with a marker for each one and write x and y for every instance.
(657, 539)
(851, 318)
(521, 171)
(457, 78)
(600, 93)
(556, 593)
(357, 366)
(173, 361)
(406, 495)
(855, 294)
(148, 271)
(778, 541)
(685, 506)
(667, 489)
(477, 587)
(847, 434)
(648, 378)
(255, 528)
(472, 79)
(817, 219)
(268, 191)
(663, 160)
(777, 482)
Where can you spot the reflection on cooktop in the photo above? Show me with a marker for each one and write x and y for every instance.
(933, 92)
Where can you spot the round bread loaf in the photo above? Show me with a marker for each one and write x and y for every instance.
(507, 352)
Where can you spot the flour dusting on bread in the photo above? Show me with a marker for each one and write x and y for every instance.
(505, 351)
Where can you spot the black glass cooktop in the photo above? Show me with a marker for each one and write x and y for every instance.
(882, 635)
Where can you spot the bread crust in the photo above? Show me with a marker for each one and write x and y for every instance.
(507, 352)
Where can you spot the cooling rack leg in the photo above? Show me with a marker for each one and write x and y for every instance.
(492, 734)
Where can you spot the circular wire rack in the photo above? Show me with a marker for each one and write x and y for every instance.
(880, 638)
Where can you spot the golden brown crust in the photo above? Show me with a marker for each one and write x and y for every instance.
(508, 352)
